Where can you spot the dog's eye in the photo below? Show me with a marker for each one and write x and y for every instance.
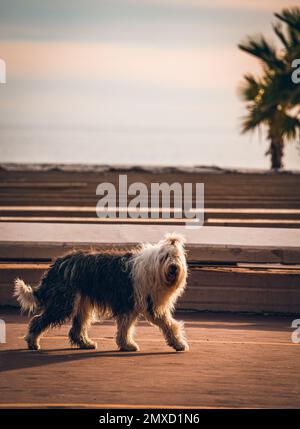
(163, 258)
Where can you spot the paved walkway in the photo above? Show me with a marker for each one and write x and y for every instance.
(234, 361)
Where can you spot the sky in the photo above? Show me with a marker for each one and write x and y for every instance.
(130, 81)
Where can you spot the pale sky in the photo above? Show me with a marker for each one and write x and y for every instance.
(130, 81)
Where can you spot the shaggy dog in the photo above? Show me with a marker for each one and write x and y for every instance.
(145, 282)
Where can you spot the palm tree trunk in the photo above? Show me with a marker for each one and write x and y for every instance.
(275, 150)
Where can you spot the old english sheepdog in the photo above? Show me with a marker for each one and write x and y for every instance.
(145, 282)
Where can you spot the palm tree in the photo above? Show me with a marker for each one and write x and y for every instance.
(273, 100)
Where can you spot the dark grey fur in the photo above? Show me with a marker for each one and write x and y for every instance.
(103, 279)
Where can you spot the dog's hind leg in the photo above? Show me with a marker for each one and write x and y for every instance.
(37, 326)
(81, 321)
(55, 313)
(125, 332)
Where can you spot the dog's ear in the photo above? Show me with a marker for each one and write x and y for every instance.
(174, 239)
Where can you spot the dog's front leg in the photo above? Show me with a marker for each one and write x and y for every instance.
(172, 330)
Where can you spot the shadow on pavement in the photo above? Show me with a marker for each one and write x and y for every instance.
(22, 358)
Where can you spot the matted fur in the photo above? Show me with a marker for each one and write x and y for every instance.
(24, 295)
(145, 282)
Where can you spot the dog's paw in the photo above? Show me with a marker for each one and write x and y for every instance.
(182, 347)
(91, 345)
(32, 344)
(34, 347)
(132, 347)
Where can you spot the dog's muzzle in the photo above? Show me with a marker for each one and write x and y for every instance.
(172, 273)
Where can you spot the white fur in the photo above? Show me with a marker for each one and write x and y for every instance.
(149, 270)
(24, 295)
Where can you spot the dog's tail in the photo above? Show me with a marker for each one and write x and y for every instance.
(25, 296)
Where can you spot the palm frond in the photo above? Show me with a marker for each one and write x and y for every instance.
(250, 88)
(289, 126)
(259, 47)
(280, 34)
(255, 117)
(290, 16)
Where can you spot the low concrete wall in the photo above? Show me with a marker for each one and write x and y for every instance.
(27, 248)
(209, 288)
(243, 290)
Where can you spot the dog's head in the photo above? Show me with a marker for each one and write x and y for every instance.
(172, 260)
(161, 270)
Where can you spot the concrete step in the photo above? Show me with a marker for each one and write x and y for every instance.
(76, 185)
(210, 288)
(246, 217)
(42, 241)
(266, 223)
